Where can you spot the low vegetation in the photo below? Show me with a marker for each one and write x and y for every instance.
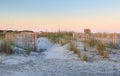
(92, 42)
(28, 51)
(73, 47)
(106, 54)
(78, 53)
(64, 38)
(85, 57)
(6, 47)
(57, 37)
(101, 48)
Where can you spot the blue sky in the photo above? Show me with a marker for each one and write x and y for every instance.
(56, 6)
(38, 10)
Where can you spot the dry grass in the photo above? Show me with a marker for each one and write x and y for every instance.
(56, 37)
(6, 47)
(85, 57)
(28, 51)
(101, 48)
(78, 53)
(73, 47)
(106, 54)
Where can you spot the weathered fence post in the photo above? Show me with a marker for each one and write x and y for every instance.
(73, 35)
(35, 41)
(115, 40)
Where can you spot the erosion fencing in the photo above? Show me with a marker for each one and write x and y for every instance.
(25, 40)
(108, 38)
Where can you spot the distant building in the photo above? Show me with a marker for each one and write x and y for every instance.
(87, 31)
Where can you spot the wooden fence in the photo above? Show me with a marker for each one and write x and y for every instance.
(25, 40)
(110, 38)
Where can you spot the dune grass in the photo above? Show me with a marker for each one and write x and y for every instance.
(73, 47)
(6, 47)
(57, 37)
(100, 47)
(85, 57)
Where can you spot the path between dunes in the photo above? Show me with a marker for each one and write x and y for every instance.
(60, 67)
(57, 61)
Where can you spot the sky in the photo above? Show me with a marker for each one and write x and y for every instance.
(65, 15)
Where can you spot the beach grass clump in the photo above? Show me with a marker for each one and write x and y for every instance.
(102, 49)
(6, 47)
(78, 53)
(28, 51)
(85, 57)
(63, 42)
(73, 47)
(56, 37)
(106, 54)
(92, 42)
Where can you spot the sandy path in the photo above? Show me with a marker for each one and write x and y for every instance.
(60, 67)
(57, 61)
